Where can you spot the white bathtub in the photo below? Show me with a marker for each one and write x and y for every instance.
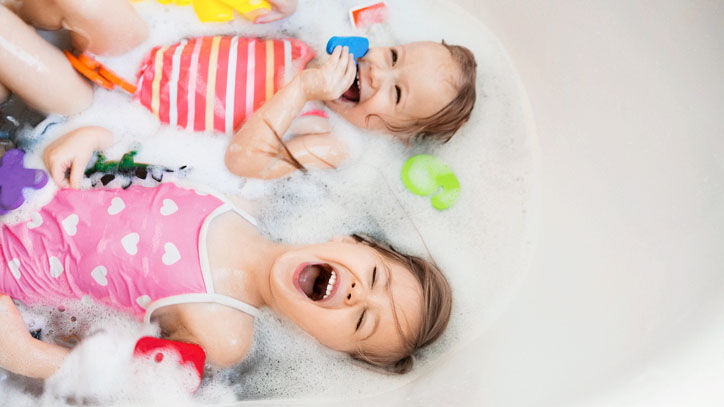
(624, 303)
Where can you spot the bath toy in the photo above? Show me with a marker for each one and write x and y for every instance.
(188, 353)
(96, 72)
(127, 168)
(14, 177)
(214, 91)
(223, 10)
(425, 174)
(358, 46)
(366, 15)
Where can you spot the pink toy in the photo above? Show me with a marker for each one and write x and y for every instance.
(187, 353)
(14, 177)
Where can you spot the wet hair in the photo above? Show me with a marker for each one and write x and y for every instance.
(436, 307)
(442, 125)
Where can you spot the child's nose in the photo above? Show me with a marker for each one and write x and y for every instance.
(378, 76)
(355, 294)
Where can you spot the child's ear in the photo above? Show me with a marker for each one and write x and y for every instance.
(344, 239)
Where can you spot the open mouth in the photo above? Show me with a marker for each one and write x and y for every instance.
(353, 93)
(317, 281)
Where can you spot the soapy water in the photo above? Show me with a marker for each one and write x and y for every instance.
(481, 242)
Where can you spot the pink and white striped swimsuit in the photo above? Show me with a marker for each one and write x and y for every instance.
(136, 249)
(215, 83)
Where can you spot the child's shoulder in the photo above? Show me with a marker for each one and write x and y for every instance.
(226, 334)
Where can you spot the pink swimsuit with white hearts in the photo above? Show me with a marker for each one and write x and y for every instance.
(136, 249)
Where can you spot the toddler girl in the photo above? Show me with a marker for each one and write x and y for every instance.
(422, 89)
(195, 263)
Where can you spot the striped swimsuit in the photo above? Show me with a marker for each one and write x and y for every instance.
(214, 84)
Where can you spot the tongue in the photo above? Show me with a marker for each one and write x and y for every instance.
(352, 93)
(307, 277)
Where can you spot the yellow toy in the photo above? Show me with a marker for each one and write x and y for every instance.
(223, 10)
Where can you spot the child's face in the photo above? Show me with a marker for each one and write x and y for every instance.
(357, 314)
(401, 84)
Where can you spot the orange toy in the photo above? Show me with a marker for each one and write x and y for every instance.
(99, 74)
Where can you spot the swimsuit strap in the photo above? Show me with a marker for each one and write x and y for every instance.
(200, 298)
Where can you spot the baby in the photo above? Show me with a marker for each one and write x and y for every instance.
(195, 263)
(420, 89)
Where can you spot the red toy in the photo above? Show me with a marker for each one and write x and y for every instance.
(157, 349)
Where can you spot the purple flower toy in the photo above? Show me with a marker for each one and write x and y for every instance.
(14, 177)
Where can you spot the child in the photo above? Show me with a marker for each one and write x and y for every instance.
(37, 71)
(215, 83)
(173, 255)
(422, 89)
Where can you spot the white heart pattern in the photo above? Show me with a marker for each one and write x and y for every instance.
(70, 224)
(130, 243)
(117, 205)
(56, 267)
(171, 254)
(14, 266)
(99, 274)
(35, 221)
(143, 301)
(169, 207)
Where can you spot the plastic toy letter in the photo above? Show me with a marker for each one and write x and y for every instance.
(358, 46)
(425, 174)
(14, 177)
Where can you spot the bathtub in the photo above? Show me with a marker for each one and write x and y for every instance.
(624, 301)
(623, 304)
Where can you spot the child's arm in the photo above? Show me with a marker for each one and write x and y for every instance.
(67, 157)
(20, 353)
(256, 149)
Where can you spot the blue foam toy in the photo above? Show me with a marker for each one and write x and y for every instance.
(358, 46)
(14, 177)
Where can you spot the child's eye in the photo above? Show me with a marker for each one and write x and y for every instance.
(374, 276)
(394, 56)
(359, 322)
(399, 94)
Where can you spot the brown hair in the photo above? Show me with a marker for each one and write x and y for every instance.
(442, 125)
(436, 307)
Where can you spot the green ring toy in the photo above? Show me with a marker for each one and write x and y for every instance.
(424, 174)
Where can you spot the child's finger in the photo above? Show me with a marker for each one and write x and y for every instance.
(351, 71)
(344, 56)
(336, 52)
(342, 62)
(57, 172)
(351, 66)
(76, 173)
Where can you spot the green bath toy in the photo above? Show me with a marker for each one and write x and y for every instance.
(424, 174)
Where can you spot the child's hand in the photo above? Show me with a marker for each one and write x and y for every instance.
(280, 9)
(332, 79)
(72, 152)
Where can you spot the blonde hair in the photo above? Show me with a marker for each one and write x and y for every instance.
(435, 309)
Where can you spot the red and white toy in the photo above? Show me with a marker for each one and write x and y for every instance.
(186, 354)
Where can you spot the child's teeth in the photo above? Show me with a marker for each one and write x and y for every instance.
(330, 284)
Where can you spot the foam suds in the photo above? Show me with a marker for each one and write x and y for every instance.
(481, 242)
